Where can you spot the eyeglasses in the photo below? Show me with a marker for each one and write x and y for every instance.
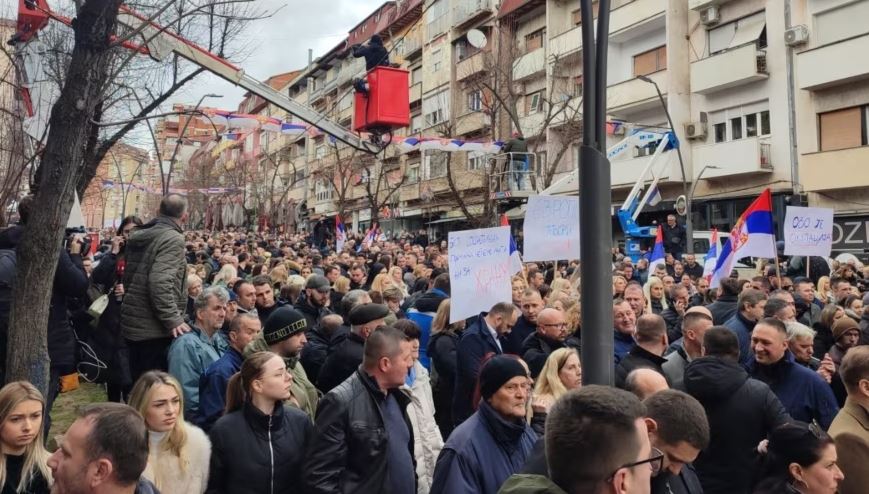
(562, 325)
(656, 463)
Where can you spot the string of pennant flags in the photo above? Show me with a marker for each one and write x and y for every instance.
(111, 184)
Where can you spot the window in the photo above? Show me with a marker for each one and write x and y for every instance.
(463, 50)
(534, 40)
(651, 61)
(412, 173)
(842, 129)
(720, 130)
(751, 125)
(416, 124)
(577, 18)
(299, 175)
(840, 23)
(416, 75)
(738, 33)
(323, 191)
(533, 102)
(577, 86)
(475, 100)
(764, 123)
(434, 118)
(435, 164)
(736, 128)
(435, 108)
(476, 160)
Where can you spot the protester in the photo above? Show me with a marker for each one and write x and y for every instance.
(526, 324)
(344, 359)
(192, 353)
(152, 313)
(801, 340)
(824, 329)
(316, 296)
(644, 382)
(633, 294)
(424, 310)
(551, 335)
(653, 291)
(23, 467)
(678, 428)
(846, 335)
(800, 458)
(673, 314)
(321, 340)
(850, 428)
(364, 440)
(442, 348)
(726, 305)
(246, 294)
(625, 322)
(265, 297)
(179, 453)
(648, 351)
(561, 373)
(259, 445)
(696, 322)
(104, 451)
(751, 304)
(494, 442)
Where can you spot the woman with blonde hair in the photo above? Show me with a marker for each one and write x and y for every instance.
(561, 285)
(180, 452)
(619, 285)
(398, 280)
(381, 282)
(279, 275)
(442, 351)
(339, 289)
(518, 286)
(23, 459)
(561, 373)
(656, 302)
(259, 444)
(226, 274)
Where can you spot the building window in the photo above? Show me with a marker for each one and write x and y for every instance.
(720, 130)
(764, 123)
(416, 124)
(533, 102)
(435, 165)
(751, 125)
(842, 129)
(738, 33)
(577, 17)
(323, 191)
(475, 100)
(736, 128)
(577, 86)
(412, 173)
(434, 118)
(462, 50)
(534, 40)
(416, 75)
(651, 61)
(476, 160)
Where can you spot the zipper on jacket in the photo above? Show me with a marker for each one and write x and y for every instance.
(272, 458)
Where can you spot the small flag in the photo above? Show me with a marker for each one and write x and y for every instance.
(658, 251)
(340, 234)
(654, 195)
(515, 258)
(711, 257)
(753, 235)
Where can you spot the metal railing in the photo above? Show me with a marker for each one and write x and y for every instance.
(513, 172)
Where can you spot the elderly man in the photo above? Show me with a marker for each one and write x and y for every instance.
(193, 352)
(648, 351)
(696, 322)
(551, 335)
(850, 428)
(625, 324)
(801, 343)
(634, 295)
(645, 382)
(346, 356)
(494, 442)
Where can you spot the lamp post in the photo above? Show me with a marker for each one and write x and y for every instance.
(689, 228)
(178, 143)
(689, 199)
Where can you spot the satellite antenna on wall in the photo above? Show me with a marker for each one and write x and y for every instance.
(477, 39)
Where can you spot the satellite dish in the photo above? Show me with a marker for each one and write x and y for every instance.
(681, 206)
(477, 39)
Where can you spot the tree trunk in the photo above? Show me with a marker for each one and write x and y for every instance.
(70, 122)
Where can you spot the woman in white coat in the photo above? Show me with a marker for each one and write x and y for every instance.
(427, 440)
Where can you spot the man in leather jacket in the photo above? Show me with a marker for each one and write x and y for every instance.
(363, 441)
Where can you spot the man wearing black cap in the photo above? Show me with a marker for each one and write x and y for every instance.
(347, 355)
(284, 335)
(313, 304)
(494, 442)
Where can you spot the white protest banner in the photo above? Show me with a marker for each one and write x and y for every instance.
(551, 228)
(479, 262)
(808, 231)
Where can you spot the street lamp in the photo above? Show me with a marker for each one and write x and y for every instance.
(178, 142)
(689, 199)
(689, 229)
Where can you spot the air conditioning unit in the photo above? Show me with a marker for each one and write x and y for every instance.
(696, 130)
(797, 35)
(710, 16)
(761, 63)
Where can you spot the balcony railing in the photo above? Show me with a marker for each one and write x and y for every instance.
(437, 27)
(467, 11)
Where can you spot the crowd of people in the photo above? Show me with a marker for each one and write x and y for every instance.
(240, 362)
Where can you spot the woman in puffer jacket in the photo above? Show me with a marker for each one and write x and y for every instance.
(259, 446)
(427, 440)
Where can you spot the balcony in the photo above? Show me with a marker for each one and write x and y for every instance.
(470, 66)
(633, 18)
(468, 11)
(471, 122)
(839, 169)
(529, 65)
(634, 95)
(437, 27)
(413, 43)
(834, 64)
(532, 124)
(728, 69)
(415, 92)
(739, 157)
(625, 173)
(566, 45)
(349, 71)
(698, 5)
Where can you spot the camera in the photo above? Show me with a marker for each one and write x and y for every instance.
(71, 233)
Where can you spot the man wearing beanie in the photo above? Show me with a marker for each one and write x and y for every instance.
(804, 394)
(284, 335)
(345, 357)
(846, 335)
(494, 442)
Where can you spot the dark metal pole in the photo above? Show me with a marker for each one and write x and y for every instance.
(595, 204)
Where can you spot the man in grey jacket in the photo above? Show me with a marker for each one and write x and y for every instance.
(152, 313)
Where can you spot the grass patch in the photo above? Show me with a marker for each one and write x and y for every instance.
(63, 413)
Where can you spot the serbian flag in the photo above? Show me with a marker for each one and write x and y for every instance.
(515, 258)
(753, 235)
(340, 234)
(658, 252)
(711, 257)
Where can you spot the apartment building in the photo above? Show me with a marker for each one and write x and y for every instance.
(119, 187)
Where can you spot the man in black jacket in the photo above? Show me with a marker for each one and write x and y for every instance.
(346, 356)
(364, 440)
(375, 54)
(551, 335)
(674, 237)
(313, 304)
(742, 411)
(678, 428)
(725, 306)
(532, 304)
(648, 351)
(673, 314)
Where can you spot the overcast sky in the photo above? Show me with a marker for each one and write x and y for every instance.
(280, 43)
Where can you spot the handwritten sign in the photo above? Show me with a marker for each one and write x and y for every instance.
(551, 228)
(479, 262)
(808, 231)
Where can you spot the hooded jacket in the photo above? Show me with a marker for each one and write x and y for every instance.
(155, 280)
(741, 412)
(423, 313)
(723, 309)
(482, 453)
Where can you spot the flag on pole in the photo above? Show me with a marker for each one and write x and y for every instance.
(655, 194)
(658, 252)
(515, 258)
(753, 235)
(340, 234)
(711, 256)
